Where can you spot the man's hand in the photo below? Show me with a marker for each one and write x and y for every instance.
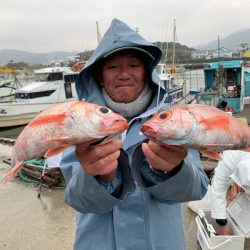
(100, 160)
(163, 157)
(233, 192)
(224, 230)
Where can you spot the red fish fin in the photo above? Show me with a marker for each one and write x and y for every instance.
(211, 154)
(45, 119)
(55, 151)
(218, 122)
(13, 172)
(246, 149)
(217, 147)
(65, 140)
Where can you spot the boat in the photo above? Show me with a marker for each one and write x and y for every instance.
(177, 92)
(173, 81)
(51, 86)
(78, 66)
(227, 83)
(8, 84)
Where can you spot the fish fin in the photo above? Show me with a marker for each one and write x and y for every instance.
(13, 172)
(217, 147)
(218, 122)
(246, 149)
(211, 154)
(65, 140)
(45, 119)
(55, 151)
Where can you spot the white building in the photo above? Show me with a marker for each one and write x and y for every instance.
(209, 54)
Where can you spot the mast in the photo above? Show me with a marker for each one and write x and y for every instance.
(219, 46)
(166, 57)
(98, 33)
(173, 68)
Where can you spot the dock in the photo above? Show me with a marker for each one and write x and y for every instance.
(48, 223)
(245, 113)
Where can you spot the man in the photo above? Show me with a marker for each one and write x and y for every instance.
(127, 192)
(232, 169)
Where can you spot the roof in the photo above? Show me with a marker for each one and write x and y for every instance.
(225, 64)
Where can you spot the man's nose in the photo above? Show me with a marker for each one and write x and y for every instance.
(124, 71)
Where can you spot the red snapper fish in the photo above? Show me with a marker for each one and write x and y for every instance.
(198, 126)
(62, 125)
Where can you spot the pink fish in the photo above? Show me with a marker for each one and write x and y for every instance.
(62, 125)
(200, 127)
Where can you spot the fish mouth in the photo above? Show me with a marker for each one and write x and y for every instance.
(111, 129)
(97, 142)
(116, 126)
(103, 140)
(148, 131)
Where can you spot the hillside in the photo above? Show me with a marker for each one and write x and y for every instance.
(8, 55)
(231, 42)
(182, 52)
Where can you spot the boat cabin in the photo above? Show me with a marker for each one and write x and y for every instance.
(225, 82)
(53, 84)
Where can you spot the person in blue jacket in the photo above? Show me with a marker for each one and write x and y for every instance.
(128, 191)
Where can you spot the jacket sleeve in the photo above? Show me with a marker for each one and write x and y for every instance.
(188, 182)
(88, 195)
(220, 184)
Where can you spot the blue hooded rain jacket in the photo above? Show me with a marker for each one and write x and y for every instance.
(139, 209)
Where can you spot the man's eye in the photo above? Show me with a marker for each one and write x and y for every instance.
(134, 65)
(112, 66)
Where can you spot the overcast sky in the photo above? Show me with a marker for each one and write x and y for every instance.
(70, 25)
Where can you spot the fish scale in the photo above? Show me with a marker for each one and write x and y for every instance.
(60, 126)
(198, 126)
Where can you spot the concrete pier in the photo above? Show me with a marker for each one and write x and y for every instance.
(30, 223)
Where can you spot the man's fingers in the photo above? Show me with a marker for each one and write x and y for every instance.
(93, 154)
(154, 160)
(100, 164)
(163, 157)
(171, 153)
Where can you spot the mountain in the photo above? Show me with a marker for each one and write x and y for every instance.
(8, 55)
(231, 42)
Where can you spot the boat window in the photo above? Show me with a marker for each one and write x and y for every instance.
(231, 77)
(68, 90)
(41, 77)
(55, 76)
(70, 78)
(48, 77)
(160, 69)
(34, 95)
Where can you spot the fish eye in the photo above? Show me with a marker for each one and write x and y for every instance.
(163, 115)
(104, 110)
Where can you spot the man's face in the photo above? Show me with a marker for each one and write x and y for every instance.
(123, 76)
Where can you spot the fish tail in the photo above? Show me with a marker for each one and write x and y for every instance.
(13, 172)
(211, 154)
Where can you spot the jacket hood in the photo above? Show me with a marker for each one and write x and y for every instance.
(119, 35)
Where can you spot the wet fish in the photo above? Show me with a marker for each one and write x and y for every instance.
(62, 125)
(198, 126)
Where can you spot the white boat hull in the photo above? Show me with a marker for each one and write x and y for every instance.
(6, 94)
(15, 114)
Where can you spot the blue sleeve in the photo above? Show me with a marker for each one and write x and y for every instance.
(188, 182)
(152, 177)
(86, 194)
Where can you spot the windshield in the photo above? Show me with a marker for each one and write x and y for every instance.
(48, 77)
(160, 69)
